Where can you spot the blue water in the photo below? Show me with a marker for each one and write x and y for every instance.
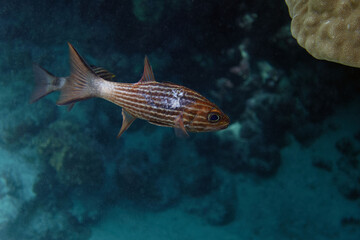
(288, 166)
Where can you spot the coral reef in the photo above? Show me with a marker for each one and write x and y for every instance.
(142, 179)
(217, 208)
(42, 222)
(22, 124)
(327, 29)
(16, 182)
(10, 202)
(72, 155)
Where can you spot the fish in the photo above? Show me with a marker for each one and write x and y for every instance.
(160, 103)
(46, 82)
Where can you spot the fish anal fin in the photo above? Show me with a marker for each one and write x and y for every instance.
(70, 106)
(128, 119)
(179, 128)
(148, 75)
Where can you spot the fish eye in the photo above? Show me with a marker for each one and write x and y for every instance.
(213, 117)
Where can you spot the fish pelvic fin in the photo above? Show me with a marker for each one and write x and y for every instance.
(81, 84)
(179, 128)
(44, 83)
(128, 119)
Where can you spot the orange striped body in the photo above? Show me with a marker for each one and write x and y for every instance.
(162, 103)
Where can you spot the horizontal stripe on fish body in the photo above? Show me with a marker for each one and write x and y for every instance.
(161, 100)
(150, 116)
(168, 98)
(141, 106)
(160, 88)
(168, 121)
(148, 113)
(136, 102)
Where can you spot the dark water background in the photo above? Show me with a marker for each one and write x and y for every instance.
(287, 168)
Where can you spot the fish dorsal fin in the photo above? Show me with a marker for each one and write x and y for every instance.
(128, 119)
(148, 75)
(103, 73)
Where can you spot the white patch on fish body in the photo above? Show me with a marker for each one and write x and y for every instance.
(177, 94)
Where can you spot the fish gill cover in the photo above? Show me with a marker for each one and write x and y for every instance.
(286, 168)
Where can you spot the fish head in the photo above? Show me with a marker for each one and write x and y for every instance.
(205, 118)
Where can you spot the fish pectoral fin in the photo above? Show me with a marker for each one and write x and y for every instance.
(179, 128)
(128, 119)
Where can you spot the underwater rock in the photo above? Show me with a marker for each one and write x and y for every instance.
(264, 159)
(217, 208)
(9, 200)
(41, 222)
(233, 149)
(16, 180)
(141, 179)
(46, 186)
(350, 221)
(9, 209)
(136, 171)
(347, 147)
(249, 129)
(307, 131)
(222, 208)
(196, 177)
(219, 213)
(321, 163)
(72, 154)
(234, 157)
(87, 208)
(164, 193)
(347, 171)
(81, 206)
(272, 114)
(25, 122)
(347, 177)
(239, 154)
(195, 173)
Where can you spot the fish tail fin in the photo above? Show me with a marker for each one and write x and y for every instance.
(81, 83)
(44, 83)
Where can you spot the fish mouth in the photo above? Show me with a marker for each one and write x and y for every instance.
(226, 123)
(224, 126)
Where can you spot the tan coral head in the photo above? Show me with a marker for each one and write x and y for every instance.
(328, 29)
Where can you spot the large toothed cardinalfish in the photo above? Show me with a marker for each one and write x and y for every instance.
(163, 104)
